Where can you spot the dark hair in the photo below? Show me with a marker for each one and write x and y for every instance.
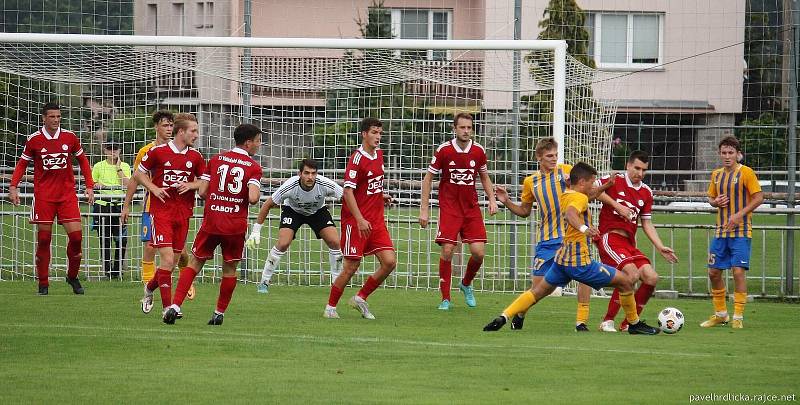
(639, 155)
(461, 115)
(111, 144)
(581, 171)
(368, 123)
(730, 141)
(182, 121)
(546, 144)
(309, 163)
(244, 133)
(161, 115)
(50, 106)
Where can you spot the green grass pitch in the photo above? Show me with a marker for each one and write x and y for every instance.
(100, 348)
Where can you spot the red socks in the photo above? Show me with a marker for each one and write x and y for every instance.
(73, 253)
(185, 280)
(336, 293)
(642, 295)
(43, 257)
(226, 287)
(445, 278)
(369, 286)
(473, 266)
(163, 281)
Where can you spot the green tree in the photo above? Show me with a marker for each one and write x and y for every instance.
(762, 53)
(764, 142)
(68, 16)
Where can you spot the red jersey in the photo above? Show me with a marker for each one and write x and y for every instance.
(167, 167)
(459, 169)
(229, 174)
(639, 199)
(53, 176)
(364, 174)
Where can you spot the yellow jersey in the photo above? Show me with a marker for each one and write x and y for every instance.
(136, 162)
(574, 250)
(546, 190)
(739, 184)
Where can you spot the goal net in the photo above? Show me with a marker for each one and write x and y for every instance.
(308, 97)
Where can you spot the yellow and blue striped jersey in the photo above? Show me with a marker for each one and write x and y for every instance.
(136, 162)
(739, 185)
(546, 189)
(574, 250)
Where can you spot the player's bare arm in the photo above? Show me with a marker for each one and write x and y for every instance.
(264, 211)
(719, 200)
(424, 204)
(13, 195)
(129, 192)
(665, 251)
(156, 191)
(488, 187)
(387, 199)
(755, 200)
(364, 227)
(254, 193)
(574, 219)
(622, 210)
(192, 185)
(523, 209)
(596, 191)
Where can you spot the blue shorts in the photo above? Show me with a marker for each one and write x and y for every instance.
(147, 231)
(545, 252)
(725, 253)
(594, 274)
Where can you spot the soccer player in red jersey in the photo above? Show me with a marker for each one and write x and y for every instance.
(168, 172)
(51, 149)
(364, 229)
(459, 162)
(231, 182)
(617, 242)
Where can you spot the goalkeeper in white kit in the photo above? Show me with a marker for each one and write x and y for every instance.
(302, 201)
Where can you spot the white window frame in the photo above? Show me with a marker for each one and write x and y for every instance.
(396, 14)
(180, 9)
(204, 14)
(629, 64)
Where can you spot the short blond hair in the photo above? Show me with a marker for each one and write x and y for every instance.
(182, 121)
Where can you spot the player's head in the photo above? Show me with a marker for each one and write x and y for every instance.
(462, 126)
(51, 116)
(582, 177)
(371, 130)
(308, 172)
(111, 149)
(247, 137)
(729, 151)
(547, 153)
(186, 129)
(637, 165)
(163, 121)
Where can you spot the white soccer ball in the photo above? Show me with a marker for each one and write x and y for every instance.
(670, 320)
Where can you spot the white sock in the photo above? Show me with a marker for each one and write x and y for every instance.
(722, 314)
(274, 258)
(335, 259)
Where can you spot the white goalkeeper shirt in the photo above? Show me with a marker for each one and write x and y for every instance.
(291, 194)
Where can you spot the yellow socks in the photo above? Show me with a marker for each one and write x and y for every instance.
(718, 298)
(582, 317)
(739, 299)
(521, 304)
(148, 271)
(629, 306)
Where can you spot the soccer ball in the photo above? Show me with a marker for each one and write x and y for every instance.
(670, 320)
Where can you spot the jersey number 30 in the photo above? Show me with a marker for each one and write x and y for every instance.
(237, 175)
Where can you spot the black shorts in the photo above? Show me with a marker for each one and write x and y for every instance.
(317, 221)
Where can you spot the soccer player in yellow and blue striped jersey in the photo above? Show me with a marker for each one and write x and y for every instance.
(163, 123)
(545, 187)
(572, 260)
(735, 192)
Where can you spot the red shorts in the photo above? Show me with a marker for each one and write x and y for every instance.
(355, 247)
(471, 228)
(43, 212)
(205, 243)
(169, 231)
(617, 250)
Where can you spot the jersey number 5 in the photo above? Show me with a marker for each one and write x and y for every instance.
(237, 175)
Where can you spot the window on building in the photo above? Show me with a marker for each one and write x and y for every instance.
(629, 40)
(411, 23)
(179, 14)
(152, 19)
(204, 14)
